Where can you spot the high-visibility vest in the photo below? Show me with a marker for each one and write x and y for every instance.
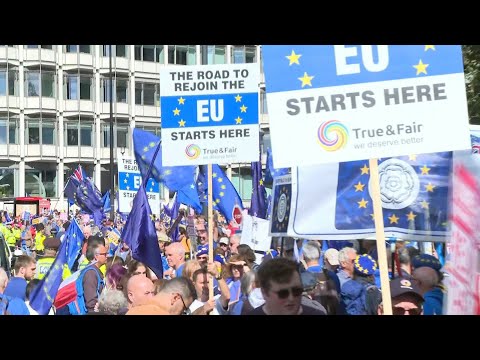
(39, 239)
(45, 263)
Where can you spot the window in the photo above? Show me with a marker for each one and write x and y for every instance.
(32, 46)
(72, 87)
(263, 102)
(85, 87)
(84, 49)
(71, 48)
(48, 47)
(146, 94)
(244, 54)
(3, 131)
(72, 133)
(33, 83)
(3, 82)
(48, 133)
(106, 90)
(154, 130)
(121, 131)
(242, 180)
(40, 182)
(138, 93)
(121, 50)
(8, 82)
(33, 132)
(217, 54)
(85, 134)
(40, 84)
(149, 53)
(181, 54)
(12, 83)
(12, 131)
(122, 90)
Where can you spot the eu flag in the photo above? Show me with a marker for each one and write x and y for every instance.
(174, 177)
(188, 195)
(41, 298)
(258, 207)
(106, 202)
(224, 194)
(140, 235)
(414, 193)
(271, 172)
(89, 199)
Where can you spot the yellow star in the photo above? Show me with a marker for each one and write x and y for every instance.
(424, 204)
(293, 58)
(373, 216)
(223, 186)
(145, 149)
(427, 47)
(176, 112)
(167, 172)
(260, 183)
(425, 170)
(152, 217)
(214, 175)
(393, 219)
(362, 204)
(364, 169)
(359, 186)
(411, 216)
(238, 120)
(217, 200)
(220, 180)
(306, 80)
(238, 98)
(243, 108)
(181, 101)
(182, 123)
(412, 157)
(152, 144)
(221, 193)
(421, 68)
(429, 187)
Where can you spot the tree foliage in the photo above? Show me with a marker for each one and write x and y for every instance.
(471, 60)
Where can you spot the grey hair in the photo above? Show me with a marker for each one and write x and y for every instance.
(177, 248)
(343, 254)
(111, 301)
(247, 281)
(404, 256)
(310, 251)
(180, 285)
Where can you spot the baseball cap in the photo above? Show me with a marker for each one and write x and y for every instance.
(332, 256)
(223, 240)
(400, 286)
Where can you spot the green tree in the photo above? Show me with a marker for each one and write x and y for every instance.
(471, 60)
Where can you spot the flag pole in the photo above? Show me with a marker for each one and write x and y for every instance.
(210, 226)
(380, 235)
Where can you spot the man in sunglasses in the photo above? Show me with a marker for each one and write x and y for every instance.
(282, 289)
(407, 298)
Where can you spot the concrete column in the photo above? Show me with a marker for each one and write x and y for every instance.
(21, 165)
(132, 99)
(229, 54)
(98, 128)
(60, 184)
(60, 132)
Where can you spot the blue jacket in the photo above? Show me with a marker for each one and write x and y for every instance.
(433, 304)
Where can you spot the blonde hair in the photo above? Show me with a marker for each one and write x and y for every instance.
(190, 267)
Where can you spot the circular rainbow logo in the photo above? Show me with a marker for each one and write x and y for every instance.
(192, 151)
(332, 135)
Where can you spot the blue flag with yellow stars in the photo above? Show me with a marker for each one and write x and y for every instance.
(414, 192)
(140, 235)
(174, 177)
(188, 195)
(42, 297)
(89, 199)
(224, 195)
(258, 207)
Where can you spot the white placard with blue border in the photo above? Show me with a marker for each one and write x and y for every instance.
(335, 103)
(129, 181)
(209, 114)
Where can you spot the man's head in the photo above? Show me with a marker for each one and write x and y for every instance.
(99, 253)
(234, 242)
(140, 290)
(202, 232)
(200, 281)
(25, 267)
(51, 246)
(311, 252)
(202, 254)
(175, 253)
(223, 243)
(176, 296)
(346, 257)
(281, 286)
(406, 298)
(425, 278)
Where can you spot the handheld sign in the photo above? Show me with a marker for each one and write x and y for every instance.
(334, 103)
(209, 114)
(129, 181)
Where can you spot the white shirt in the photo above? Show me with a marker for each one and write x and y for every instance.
(217, 310)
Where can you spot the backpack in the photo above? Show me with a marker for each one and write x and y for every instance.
(70, 294)
(4, 306)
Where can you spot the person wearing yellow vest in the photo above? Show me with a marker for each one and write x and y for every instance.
(46, 261)
(9, 236)
(39, 239)
(90, 254)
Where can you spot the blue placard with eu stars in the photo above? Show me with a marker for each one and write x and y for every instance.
(209, 114)
(335, 103)
(129, 181)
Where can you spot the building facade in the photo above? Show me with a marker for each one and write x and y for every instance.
(55, 109)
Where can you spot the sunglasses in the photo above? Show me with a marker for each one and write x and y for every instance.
(296, 291)
(402, 311)
(186, 310)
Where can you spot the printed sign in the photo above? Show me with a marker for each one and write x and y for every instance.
(282, 196)
(129, 181)
(209, 114)
(334, 103)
